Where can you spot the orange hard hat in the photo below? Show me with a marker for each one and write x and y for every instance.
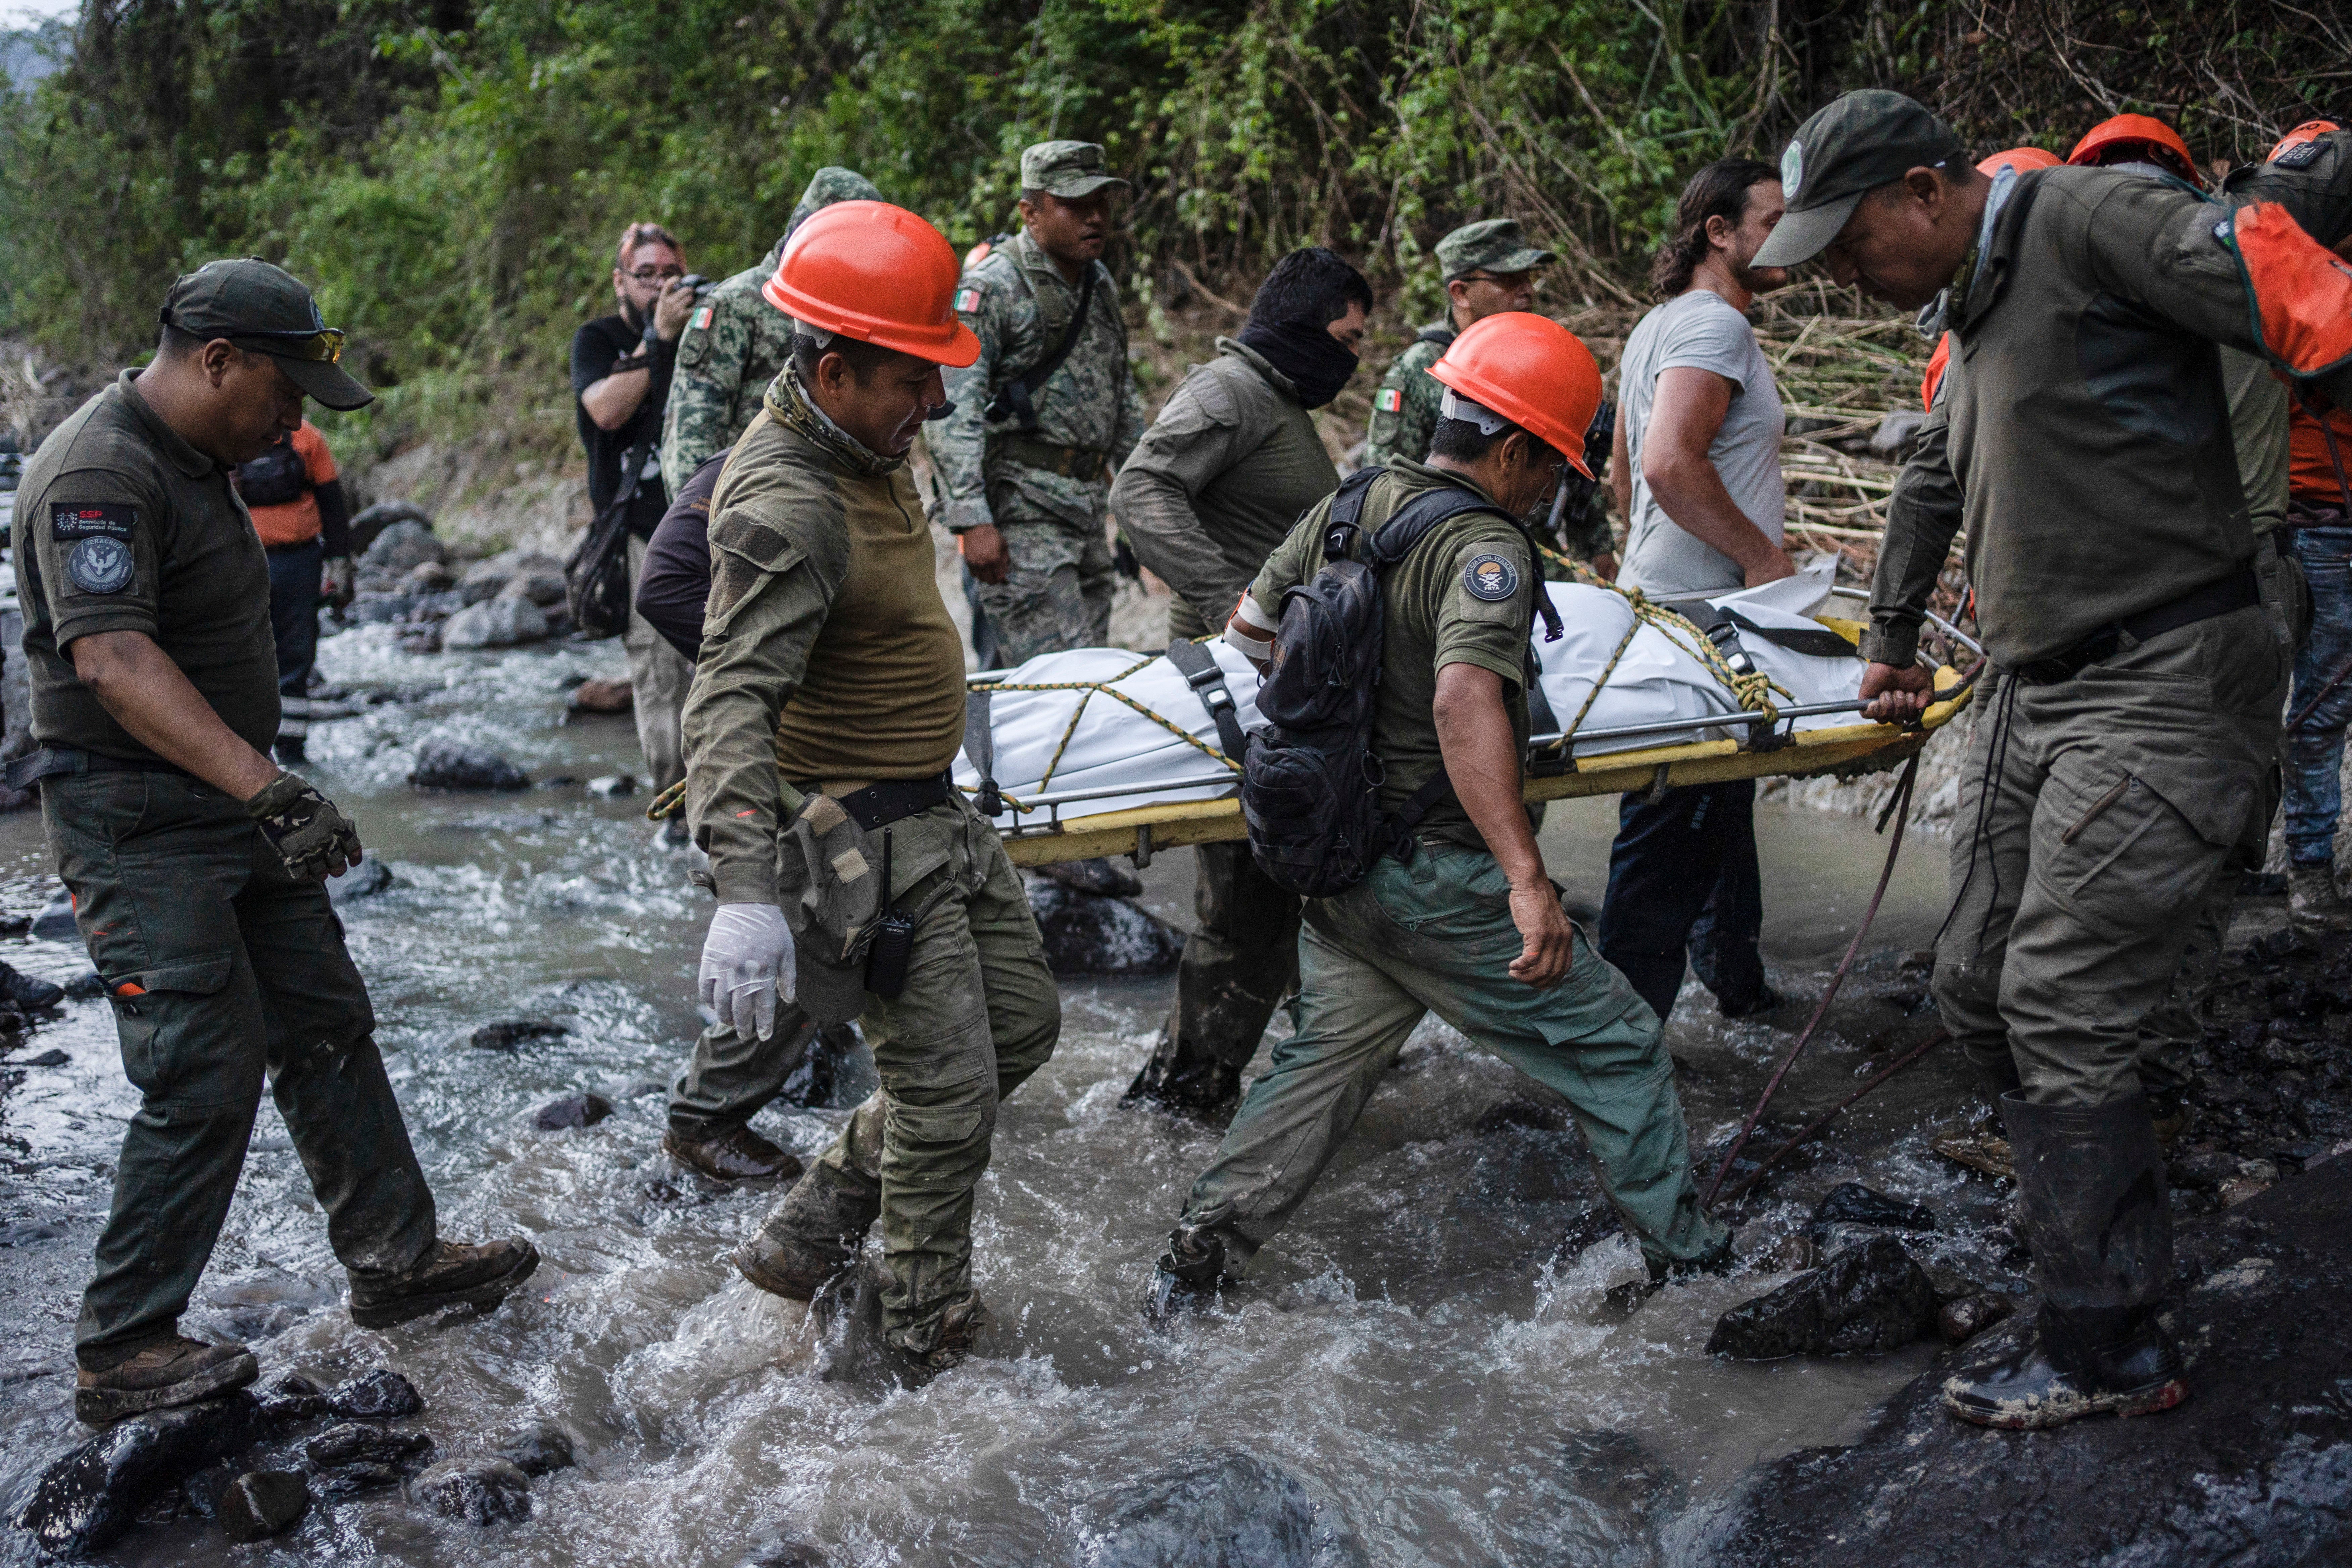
(2309, 131)
(2126, 133)
(1533, 372)
(876, 273)
(2020, 159)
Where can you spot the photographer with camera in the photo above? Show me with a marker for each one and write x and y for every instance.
(621, 367)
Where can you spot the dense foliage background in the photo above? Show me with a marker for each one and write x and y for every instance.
(451, 174)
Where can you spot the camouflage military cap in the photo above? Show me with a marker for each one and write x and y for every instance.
(827, 186)
(1065, 169)
(1494, 246)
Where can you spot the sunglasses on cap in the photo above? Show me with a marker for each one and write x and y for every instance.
(322, 345)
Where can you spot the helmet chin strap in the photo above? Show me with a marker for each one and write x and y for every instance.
(1452, 405)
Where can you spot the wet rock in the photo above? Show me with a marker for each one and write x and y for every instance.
(1225, 1510)
(1795, 1254)
(57, 1058)
(371, 522)
(604, 697)
(352, 1479)
(503, 622)
(56, 921)
(478, 1491)
(1871, 1298)
(2234, 1191)
(25, 1231)
(535, 1447)
(1963, 1318)
(2252, 1470)
(509, 1033)
(378, 1396)
(540, 576)
(572, 1111)
(86, 987)
(15, 925)
(260, 1503)
(1087, 935)
(202, 1491)
(543, 586)
(1851, 1203)
(613, 786)
(292, 1398)
(427, 577)
(448, 765)
(400, 547)
(92, 1495)
(349, 1443)
(365, 880)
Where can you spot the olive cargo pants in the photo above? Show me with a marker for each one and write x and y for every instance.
(222, 968)
(978, 1015)
(1434, 935)
(2096, 815)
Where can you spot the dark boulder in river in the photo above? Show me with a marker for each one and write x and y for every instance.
(447, 765)
(1086, 933)
(90, 1497)
(1867, 1297)
(1227, 1509)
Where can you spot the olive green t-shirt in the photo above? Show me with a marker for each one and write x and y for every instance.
(1462, 597)
(122, 526)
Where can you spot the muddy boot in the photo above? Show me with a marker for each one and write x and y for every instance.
(1658, 1271)
(1097, 875)
(950, 1345)
(454, 1274)
(2091, 1201)
(1979, 1140)
(1196, 1085)
(178, 1371)
(1188, 1275)
(26, 991)
(813, 1235)
(735, 1154)
(2314, 907)
(1755, 1006)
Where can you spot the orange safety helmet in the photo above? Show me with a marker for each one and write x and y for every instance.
(2020, 159)
(2115, 140)
(876, 273)
(1533, 372)
(2309, 131)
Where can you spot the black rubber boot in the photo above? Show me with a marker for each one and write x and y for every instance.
(1195, 1084)
(1186, 1276)
(812, 1234)
(2091, 1204)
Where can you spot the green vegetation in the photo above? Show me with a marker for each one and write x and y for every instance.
(451, 174)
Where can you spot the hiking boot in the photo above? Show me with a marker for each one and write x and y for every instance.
(26, 991)
(2075, 1365)
(2171, 1115)
(1755, 1006)
(1097, 875)
(812, 1234)
(454, 1274)
(960, 1326)
(737, 1154)
(1188, 1275)
(178, 1371)
(2313, 905)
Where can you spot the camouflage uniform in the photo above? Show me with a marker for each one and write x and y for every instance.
(1044, 486)
(1404, 408)
(735, 343)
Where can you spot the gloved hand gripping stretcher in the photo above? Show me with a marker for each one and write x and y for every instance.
(1101, 751)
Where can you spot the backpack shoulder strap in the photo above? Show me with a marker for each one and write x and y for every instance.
(1016, 398)
(1340, 529)
(1202, 672)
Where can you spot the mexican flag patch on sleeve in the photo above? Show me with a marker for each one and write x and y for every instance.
(967, 301)
(1388, 399)
(702, 320)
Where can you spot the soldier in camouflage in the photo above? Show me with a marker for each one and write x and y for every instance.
(1026, 461)
(735, 343)
(1488, 268)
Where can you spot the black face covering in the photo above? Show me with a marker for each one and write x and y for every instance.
(1307, 353)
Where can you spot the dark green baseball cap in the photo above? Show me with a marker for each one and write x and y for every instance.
(1862, 142)
(266, 309)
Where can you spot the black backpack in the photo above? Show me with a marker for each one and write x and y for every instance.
(1310, 783)
(276, 477)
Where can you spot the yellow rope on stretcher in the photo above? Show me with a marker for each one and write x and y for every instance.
(1105, 688)
(1752, 690)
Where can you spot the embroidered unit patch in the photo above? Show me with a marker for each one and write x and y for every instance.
(1490, 578)
(100, 565)
(87, 521)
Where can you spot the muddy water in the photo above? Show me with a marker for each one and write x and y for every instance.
(1419, 1350)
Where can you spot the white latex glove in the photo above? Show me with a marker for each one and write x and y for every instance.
(747, 960)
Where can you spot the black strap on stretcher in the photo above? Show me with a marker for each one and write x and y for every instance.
(979, 745)
(1201, 671)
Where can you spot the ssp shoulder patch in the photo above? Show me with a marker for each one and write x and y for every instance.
(1490, 578)
(88, 519)
(967, 301)
(100, 565)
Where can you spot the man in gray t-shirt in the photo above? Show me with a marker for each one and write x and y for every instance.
(1697, 471)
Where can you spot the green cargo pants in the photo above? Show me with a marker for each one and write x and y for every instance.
(2096, 815)
(728, 1079)
(221, 969)
(978, 1015)
(1434, 935)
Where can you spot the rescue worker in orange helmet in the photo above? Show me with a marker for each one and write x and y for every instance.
(2135, 138)
(827, 707)
(1510, 970)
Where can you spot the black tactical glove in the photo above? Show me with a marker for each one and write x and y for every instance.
(311, 836)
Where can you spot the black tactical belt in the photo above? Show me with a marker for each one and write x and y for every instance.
(1070, 462)
(50, 762)
(2238, 590)
(880, 805)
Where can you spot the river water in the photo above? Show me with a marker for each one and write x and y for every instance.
(1443, 1380)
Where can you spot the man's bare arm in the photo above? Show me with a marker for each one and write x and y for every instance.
(1482, 758)
(137, 683)
(1686, 413)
